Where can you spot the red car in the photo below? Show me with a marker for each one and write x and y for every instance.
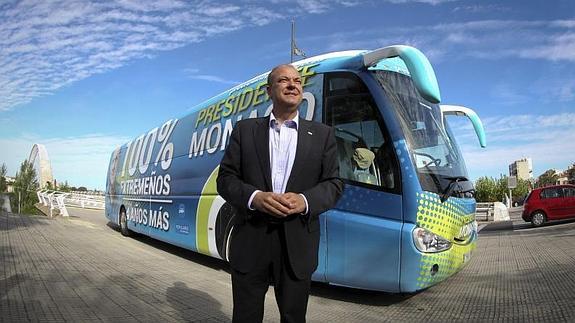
(549, 203)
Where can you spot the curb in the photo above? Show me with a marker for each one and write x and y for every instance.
(496, 226)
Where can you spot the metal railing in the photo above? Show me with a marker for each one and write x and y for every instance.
(85, 201)
(58, 201)
(484, 211)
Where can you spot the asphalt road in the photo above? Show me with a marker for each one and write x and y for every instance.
(81, 269)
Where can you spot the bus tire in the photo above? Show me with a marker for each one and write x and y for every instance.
(124, 223)
(224, 228)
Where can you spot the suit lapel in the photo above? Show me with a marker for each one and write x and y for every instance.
(304, 133)
(261, 141)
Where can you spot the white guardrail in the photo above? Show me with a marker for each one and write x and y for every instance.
(484, 211)
(60, 200)
(492, 211)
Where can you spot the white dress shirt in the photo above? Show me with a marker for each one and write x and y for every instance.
(282, 147)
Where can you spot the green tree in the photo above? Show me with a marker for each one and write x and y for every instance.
(486, 189)
(502, 189)
(548, 178)
(64, 187)
(570, 172)
(518, 193)
(3, 185)
(25, 186)
(489, 189)
(522, 189)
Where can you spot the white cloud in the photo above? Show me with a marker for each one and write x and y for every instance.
(564, 23)
(194, 73)
(507, 94)
(432, 2)
(45, 45)
(559, 47)
(548, 139)
(49, 44)
(151, 5)
(71, 158)
(484, 39)
(314, 6)
(494, 39)
(480, 8)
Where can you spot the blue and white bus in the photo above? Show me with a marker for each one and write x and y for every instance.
(406, 219)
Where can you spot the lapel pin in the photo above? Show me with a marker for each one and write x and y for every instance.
(309, 133)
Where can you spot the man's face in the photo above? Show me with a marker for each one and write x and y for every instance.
(285, 89)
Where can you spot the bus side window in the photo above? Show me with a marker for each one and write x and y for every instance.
(364, 152)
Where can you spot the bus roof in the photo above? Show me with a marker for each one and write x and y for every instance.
(398, 58)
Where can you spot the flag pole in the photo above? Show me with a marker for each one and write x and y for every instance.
(292, 41)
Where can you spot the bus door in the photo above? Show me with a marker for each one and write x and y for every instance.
(363, 230)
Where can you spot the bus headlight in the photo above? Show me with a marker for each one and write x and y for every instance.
(427, 241)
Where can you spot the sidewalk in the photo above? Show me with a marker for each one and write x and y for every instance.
(494, 226)
(515, 219)
(79, 269)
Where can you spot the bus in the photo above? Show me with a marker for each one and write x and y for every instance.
(406, 218)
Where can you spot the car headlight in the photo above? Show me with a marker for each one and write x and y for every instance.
(427, 241)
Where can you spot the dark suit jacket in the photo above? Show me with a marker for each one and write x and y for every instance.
(245, 167)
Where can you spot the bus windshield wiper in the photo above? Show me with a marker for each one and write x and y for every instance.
(453, 182)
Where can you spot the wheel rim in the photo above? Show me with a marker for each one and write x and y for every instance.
(228, 245)
(538, 218)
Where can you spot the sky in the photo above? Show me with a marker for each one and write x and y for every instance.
(84, 77)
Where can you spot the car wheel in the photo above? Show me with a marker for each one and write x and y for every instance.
(538, 219)
(124, 224)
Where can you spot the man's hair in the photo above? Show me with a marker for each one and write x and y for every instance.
(272, 73)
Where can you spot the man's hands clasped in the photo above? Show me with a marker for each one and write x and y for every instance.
(279, 205)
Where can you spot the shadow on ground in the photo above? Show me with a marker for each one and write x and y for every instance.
(10, 282)
(357, 296)
(510, 227)
(318, 289)
(551, 224)
(10, 221)
(180, 296)
(198, 258)
(112, 298)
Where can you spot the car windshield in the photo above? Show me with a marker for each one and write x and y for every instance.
(434, 152)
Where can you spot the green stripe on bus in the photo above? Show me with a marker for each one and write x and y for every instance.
(209, 193)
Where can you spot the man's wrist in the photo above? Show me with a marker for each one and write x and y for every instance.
(306, 205)
(252, 199)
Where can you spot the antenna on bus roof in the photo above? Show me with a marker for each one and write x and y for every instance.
(294, 49)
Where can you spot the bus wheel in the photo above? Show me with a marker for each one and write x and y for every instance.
(224, 228)
(538, 219)
(124, 223)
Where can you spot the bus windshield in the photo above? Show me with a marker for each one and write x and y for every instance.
(435, 154)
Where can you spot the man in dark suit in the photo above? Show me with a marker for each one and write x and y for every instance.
(279, 172)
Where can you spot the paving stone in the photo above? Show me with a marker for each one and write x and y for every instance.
(80, 269)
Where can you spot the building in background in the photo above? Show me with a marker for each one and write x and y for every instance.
(522, 169)
(10, 184)
(563, 177)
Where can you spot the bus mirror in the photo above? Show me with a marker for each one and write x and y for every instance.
(473, 117)
(417, 64)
